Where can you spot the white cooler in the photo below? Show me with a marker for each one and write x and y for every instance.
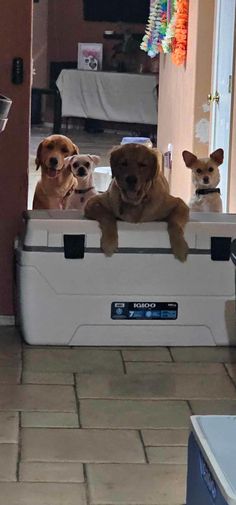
(211, 461)
(69, 293)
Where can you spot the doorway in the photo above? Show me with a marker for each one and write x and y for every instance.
(222, 86)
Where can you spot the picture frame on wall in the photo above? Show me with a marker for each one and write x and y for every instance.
(90, 56)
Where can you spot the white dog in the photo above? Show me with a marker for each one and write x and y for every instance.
(82, 167)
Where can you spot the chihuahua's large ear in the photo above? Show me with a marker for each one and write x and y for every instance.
(95, 159)
(38, 155)
(76, 149)
(189, 158)
(218, 156)
(67, 161)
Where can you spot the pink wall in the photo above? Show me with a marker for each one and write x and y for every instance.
(14, 141)
(182, 96)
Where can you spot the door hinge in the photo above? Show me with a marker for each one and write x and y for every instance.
(230, 84)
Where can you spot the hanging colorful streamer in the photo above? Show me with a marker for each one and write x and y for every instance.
(179, 48)
(166, 29)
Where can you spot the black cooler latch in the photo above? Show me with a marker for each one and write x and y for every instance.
(74, 246)
(220, 248)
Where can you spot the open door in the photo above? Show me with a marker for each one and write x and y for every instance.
(221, 94)
(15, 80)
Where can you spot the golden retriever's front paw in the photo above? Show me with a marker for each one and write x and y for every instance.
(180, 250)
(108, 246)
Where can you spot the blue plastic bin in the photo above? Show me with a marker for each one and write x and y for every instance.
(137, 140)
(211, 478)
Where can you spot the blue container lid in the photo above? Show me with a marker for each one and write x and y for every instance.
(135, 140)
(216, 437)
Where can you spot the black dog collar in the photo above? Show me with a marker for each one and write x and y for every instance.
(207, 191)
(83, 191)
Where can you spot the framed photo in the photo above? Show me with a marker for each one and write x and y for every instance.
(89, 56)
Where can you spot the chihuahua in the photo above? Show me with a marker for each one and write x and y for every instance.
(205, 178)
(82, 167)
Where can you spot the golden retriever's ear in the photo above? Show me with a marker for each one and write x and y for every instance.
(114, 157)
(218, 156)
(76, 149)
(153, 166)
(38, 155)
(189, 158)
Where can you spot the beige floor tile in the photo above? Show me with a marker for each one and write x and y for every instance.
(47, 378)
(213, 407)
(203, 354)
(175, 368)
(8, 461)
(154, 386)
(43, 398)
(134, 414)
(137, 484)
(153, 354)
(10, 374)
(81, 445)
(51, 472)
(72, 360)
(49, 420)
(165, 437)
(25, 493)
(9, 427)
(10, 360)
(167, 455)
(10, 339)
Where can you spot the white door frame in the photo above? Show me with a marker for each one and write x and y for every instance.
(223, 57)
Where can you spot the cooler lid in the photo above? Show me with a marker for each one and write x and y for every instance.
(216, 436)
(46, 227)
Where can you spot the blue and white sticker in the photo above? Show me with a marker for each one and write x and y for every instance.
(166, 311)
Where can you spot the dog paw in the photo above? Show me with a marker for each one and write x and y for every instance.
(180, 250)
(108, 246)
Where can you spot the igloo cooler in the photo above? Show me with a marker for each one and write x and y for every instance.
(211, 475)
(69, 293)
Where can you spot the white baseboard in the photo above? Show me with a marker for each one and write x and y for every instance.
(7, 320)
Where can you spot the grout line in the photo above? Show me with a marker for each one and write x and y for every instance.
(229, 376)
(86, 485)
(123, 362)
(171, 355)
(77, 401)
(189, 406)
(22, 364)
(19, 449)
(143, 445)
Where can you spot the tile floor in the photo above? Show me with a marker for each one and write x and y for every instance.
(103, 426)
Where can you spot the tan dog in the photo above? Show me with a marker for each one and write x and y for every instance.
(57, 181)
(138, 192)
(82, 167)
(205, 178)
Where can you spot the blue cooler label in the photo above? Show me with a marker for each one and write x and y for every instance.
(144, 310)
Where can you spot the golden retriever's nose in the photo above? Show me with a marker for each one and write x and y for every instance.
(131, 180)
(53, 162)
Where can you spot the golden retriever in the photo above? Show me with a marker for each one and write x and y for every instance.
(57, 180)
(138, 192)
